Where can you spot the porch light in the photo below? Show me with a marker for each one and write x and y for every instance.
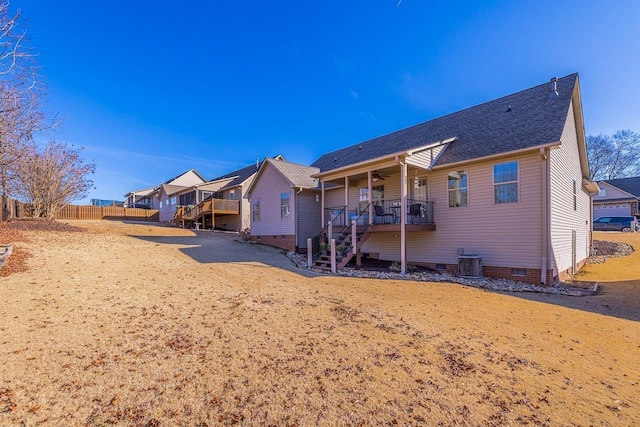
(416, 181)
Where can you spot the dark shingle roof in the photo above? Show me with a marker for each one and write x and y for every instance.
(630, 185)
(240, 175)
(298, 175)
(525, 119)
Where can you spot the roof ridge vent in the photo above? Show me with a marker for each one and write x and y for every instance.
(554, 88)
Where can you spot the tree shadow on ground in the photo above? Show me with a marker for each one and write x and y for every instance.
(220, 247)
(617, 299)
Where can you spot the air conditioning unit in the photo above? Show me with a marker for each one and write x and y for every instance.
(470, 266)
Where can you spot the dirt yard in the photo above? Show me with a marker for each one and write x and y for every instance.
(132, 324)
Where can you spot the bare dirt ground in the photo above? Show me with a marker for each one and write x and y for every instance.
(133, 324)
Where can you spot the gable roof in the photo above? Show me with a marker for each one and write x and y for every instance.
(169, 181)
(530, 118)
(143, 192)
(299, 176)
(170, 190)
(629, 185)
(241, 175)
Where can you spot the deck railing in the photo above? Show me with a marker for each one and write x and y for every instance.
(390, 212)
(223, 206)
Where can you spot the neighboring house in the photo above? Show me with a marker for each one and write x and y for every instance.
(285, 204)
(103, 202)
(178, 191)
(617, 197)
(221, 202)
(502, 186)
(144, 199)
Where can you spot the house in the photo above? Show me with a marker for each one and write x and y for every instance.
(285, 204)
(143, 199)
(500, 189)
(177, 191)
(221, 202)
(617, 197)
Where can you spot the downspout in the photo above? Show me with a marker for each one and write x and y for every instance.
(346, 198)
(322, 206)
(295, 218)
(403, 216)
(546, 216)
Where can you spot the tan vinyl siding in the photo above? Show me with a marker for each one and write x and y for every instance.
(424, 158)
(187, 180)
(507, 235)
(308, 216)
(565, 167)
(268, 189)
(334, 197)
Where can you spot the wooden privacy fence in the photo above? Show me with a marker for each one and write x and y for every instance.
(11, 209)
(108, 212)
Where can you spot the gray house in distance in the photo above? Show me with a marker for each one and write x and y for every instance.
(617, 197)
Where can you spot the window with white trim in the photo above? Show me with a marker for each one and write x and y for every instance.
(458, 186)
(505, 183)
(284, 206)
(255, 210)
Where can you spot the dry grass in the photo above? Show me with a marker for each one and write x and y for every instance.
(106, 329)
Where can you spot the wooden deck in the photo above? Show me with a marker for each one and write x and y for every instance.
(208, 207)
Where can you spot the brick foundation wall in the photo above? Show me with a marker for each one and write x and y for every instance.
(531, 275)
(281, 241)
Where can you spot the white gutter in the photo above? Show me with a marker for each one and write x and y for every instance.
(493, 156)
(546, 215)
(385, 157)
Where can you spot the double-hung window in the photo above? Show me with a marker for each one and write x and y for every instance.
(284, 206)
(505, 183)
(458, 186)
(256, 209)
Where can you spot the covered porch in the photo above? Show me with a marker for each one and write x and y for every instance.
(386, 194)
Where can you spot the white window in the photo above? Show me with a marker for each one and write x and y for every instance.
(458, 186)
(256, 209)
(505, 183)
(232, 195)
(377, 196)
(602, 192)
(284, 206)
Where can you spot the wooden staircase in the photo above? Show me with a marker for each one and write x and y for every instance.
(344, 249)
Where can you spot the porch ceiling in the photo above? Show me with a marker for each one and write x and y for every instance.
(362, 173)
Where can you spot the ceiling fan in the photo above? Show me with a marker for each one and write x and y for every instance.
(377, 177)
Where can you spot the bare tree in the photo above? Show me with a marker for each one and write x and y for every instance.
(613, 157)
(52, 177)
(20, 95)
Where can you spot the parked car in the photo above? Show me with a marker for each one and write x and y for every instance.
(616, 223)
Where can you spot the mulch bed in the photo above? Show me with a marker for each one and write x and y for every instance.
(12, 232)
(603, 250)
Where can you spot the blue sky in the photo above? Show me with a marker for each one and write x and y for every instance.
(154, 88)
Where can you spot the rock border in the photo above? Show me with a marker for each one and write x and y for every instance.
(501, 285)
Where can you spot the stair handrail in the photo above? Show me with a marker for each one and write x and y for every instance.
(347, 230)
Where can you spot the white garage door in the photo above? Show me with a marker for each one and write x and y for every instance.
(622, 209)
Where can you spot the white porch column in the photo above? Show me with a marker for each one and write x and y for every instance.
(333, 256)
(322, 206)
(370, 195)
(346, 195)
(403, 217)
